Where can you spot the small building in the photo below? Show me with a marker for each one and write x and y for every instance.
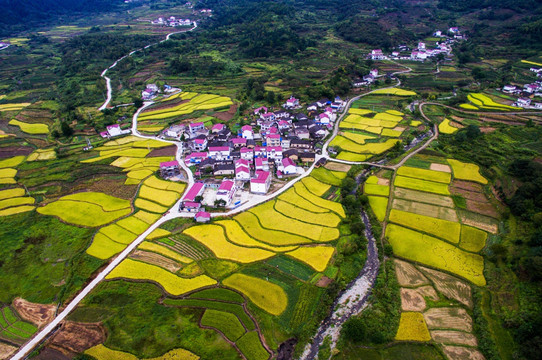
(199, 144)
(260, 110)
(115, 130)
(219, 152)
(509, 89)
(175, 131)
(224, 169)
(202, 217)
(190, 206)
(195, 190)
(320, 162)
(274, 152)
(195, 127)
(169, 169)
(261, 164)
(246, 153)
(523, 102)
(261, 183)
(291, 154)
(196, 157)
(239, 142)
(301, 144)
(273, 140)
(288, 167)
(247, 132)
(242, 170)
(269, 116)
(217, 128)
(307, 157)
(291, 102)
(377, 54)
(226, 191)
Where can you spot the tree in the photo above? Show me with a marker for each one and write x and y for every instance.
(67, 131)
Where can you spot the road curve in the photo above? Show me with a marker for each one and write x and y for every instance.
(108, 80)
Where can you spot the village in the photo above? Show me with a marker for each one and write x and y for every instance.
(258, 158)
(528, 92)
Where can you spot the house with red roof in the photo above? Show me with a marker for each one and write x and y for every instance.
(217, 128)
(288, 167)
(269, 116)
(226, 191)
(247, 132)
(274, 152)
(199, 144)
(292, 102)
(195, 127)
(260, 151)
(261, 183)
(273, 140)
(242, 170)
(169, 169)
(261, 164)
(195, 158)
(246, 153)
(239, 143)
(260, 110)
(219, 152)
(202, 217)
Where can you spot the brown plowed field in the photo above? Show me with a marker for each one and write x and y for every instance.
(450, 286)
(38, 314)
(76, 337)
(408, 275)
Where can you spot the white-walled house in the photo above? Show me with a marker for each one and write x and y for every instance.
(226, 191)
(261, 183)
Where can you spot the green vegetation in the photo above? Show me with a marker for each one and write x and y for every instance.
(227, 323)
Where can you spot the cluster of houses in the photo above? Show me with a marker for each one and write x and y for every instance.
(367, 79)
(276, 144)
(422, 52)
(527, 92)
(152, 90)
(113, 131)
(172, 21)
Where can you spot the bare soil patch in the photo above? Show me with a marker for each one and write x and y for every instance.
(324, 282)
(408, 275)
(335, 166)
(454, 337)
(462, 353)
(448, 318)
(74, 337)
(51, 354)
(411, 300)
(487, 129)
(467, 185)
(156, 259)
(443, 213)
(468, 194)
(6, 351)
(38, 314)
(484, 208)
(456, 125)
(165, 151)
(10, 151)
(226, 115)
(440, 167)
(399, 128)
(420, 196)
(450, 286)
(428, 292)
(385, 182)
(113, 187)
(479, 221)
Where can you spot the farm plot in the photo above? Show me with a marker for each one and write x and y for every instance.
(42, 155)
(422, 185)
(150, 206)
(171, 283)
(273, 220)
(103, 247)
(314, 186)
(348, 156)
(429, 175)
(327, 176)
(355, 137)
(375, 189)
(302, 191)
(472, 239)
(444, 229)
(156, 259)
(448, 318)
(315, 256)
(235, 309)
(329, 219)
(423, 197)
(251, 346)
(251, 224)
(379, 205)
(159, 249)
(237, 235)
(293, 198)
(454, 337)
(198, 102)
(87, 209)
(13, 201)
(433, 252)
(213, 237)
(450, 286)
(225, 322)
(485, 102)
(100, 352)
(443, 213)
(162, 197)
(394, 91)
(264, 294)
(13, 106)
(408, 275)
(218, 294)
(412, 300)
(33, 129)
(12, 328)
(412, 327)
(466, 171)
(445, 128)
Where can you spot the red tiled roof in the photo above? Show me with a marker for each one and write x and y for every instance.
(169, 163)
(226, 185)
(193, 192)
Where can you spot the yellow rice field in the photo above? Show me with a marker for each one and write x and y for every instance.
(412, 327)
(422, 185)
(213, 237)
(445, 128)
(81, 213)
(34, 129)
(11, 162)
(236, 235)
(394, 91)
(379, 206)
(250, 223)
(316, 187)
(163, 197)
(444, 229)
(150, 206)
(466, 171)
(293, 198)
(316, 257)
(103, 247)
(329, 219)
(162, 250)
(264, 294)
(174, 285)
(424, 174)
(11, 193)
(301, 190)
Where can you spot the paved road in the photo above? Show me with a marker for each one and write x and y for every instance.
(108, 80)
